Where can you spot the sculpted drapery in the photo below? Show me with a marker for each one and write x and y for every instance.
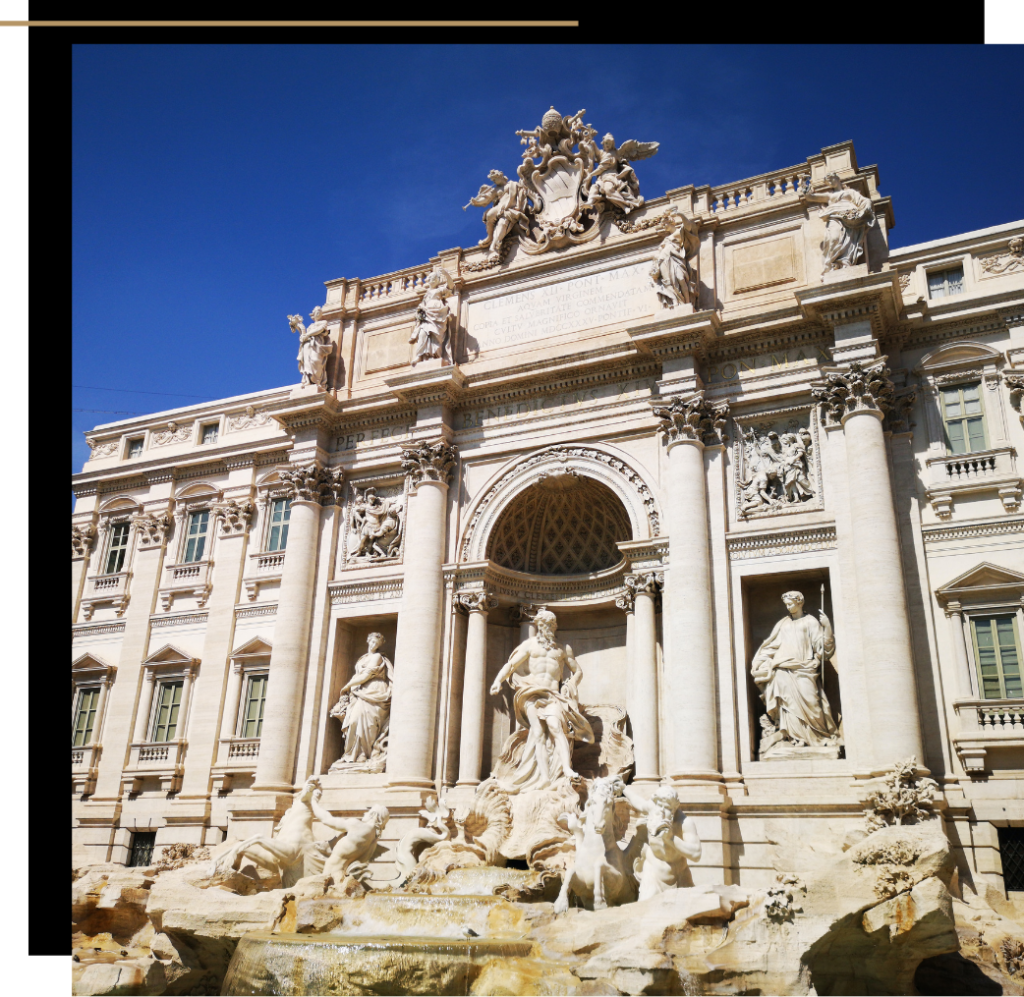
(364, 708)
(848, 215)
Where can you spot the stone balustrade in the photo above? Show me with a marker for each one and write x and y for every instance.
(194, 578)
(986, 724)
(393, 285)
(953, 475)
(244, 749)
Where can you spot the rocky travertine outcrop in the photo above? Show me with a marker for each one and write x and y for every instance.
(859, 921)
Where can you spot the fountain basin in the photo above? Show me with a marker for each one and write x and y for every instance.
(266, 963)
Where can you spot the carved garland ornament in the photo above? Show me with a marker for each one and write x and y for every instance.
(312, 483)
(174, 433)
(429, 462)
(692, 419)
(151, 529)
(1009, 261)
(82, 539)
(860, 388)
(565, 453)
(234, 516)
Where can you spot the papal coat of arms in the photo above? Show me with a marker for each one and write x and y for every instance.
(566, 185)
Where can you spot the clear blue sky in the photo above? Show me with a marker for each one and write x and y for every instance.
(217, 187)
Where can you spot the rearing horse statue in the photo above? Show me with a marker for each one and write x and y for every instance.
(600, 874)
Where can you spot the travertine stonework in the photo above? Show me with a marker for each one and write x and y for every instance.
(648, 416)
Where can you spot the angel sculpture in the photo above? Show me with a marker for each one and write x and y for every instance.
(433, 317)
(376, 524)
(507, 212)
(314, 347)
(613, 180)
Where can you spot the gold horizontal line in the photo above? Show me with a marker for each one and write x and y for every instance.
(289, 24)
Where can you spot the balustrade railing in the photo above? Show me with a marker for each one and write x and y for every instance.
(154, 753)
(403, 282)
(249, 748)
(785, 183)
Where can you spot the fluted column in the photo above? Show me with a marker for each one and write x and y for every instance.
(690, 676)
(643, 675)
(474, 687)
(308, 486)
(418, 641)
(858, 398)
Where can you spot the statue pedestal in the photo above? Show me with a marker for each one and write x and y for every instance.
(788, 750)
(845, 274)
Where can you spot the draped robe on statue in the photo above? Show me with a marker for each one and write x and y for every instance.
(369, 707)
(786, 668)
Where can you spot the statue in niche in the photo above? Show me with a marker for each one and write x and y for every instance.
(508, 202)
(788, 669)
(613, 180)
(667, 841)
(314, 347)
(674, 281)
(376, 524)
(848, 215)
(546, 706)
(364, 709)
(433, 318)
(776, 470)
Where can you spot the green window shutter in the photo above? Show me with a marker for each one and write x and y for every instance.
(168, 705)
(997, 650)
(280, 515)
(955, 433)
(197, 525)
(1008, 656)
(85, 718)
(255, 698)
(117, 548)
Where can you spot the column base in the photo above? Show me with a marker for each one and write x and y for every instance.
(401, 785)
(273, 788)
(471, 783)
(646, 780)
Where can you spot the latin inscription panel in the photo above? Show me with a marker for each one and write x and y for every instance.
(599, 299)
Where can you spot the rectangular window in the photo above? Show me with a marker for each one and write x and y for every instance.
(279, 515)
(1011, 851)
(142, 848)
(997, 651)
(210, 433)
(165, 723)
(117, 547)
(946, 282)
(135, 448)
(963, 418)
(85, 716)
(252, 718)
(198, 523)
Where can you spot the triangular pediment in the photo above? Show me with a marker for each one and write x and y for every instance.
(255, 646)
(962, 354)
(983, 580)
(169, 655)
(89, 663)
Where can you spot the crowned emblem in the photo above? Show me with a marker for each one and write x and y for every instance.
(567, 185)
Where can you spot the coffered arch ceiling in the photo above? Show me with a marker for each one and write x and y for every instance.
(564, 524)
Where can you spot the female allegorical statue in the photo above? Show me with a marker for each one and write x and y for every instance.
(787, 669)
(364, 708)
(848, 215)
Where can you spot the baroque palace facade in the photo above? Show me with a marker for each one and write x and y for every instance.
(651, 418)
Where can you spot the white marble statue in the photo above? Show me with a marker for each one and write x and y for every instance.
(674, 280)
(314, 347)
(600, 873)
(364, 707)
(376, 524)
(546, 705)
(358, 842)
(507, 212)
(664, 856)
(848, 215)
(613, 180)
(290, 847)
(430, 333)
(788, 669)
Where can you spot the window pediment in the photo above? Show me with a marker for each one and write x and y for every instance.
(984, 581)
(950, 358)
(169, 655)
(256, 646)
(90, 663)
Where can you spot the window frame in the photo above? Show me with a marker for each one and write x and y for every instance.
(249, 675)
(282, 526)
(205, 536)
(114, 527)
(132, 864)
(162, 683)
(82, 690)
(203, 427)
(962, 420)
(943, 270)
(88, 671)
(992, 613)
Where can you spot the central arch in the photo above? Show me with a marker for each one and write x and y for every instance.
(627, 506)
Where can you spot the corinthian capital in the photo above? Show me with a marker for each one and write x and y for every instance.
(692, 419)
(312, 483)
(82, 539)
(858, 388)
(477, 602)
(649, 582)
(430, 461)
(151, 528)
(234, 516)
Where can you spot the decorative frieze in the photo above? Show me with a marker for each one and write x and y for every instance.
(365, 590)
(178, 620)
(83, 537)
(746, 545)
(429, 462)
(859, 387)
(152, 529)
(1010, 260)
(254, 611)
(106, 449)
(174, 433)
(971, 531)
(251, 418)
(97, 629)
(692, 418)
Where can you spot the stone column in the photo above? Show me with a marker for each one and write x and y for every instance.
(229, 720)
(625, 602)
(418, 641)
(275, 769)
(643, 676)
(690, 675)
(955, 614)
(83, 540)
(858, 398)
(145, 706)
(474, 687)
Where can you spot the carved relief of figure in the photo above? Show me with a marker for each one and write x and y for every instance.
(433, 317)
(664, 856)
(357, 844)
(508, 210)
(546, 705)
(314, 347)
(674, 280)
(787, 669)
(776, 470)
(377, 524)
(613, 180)
(364, 707)
(848, 215)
